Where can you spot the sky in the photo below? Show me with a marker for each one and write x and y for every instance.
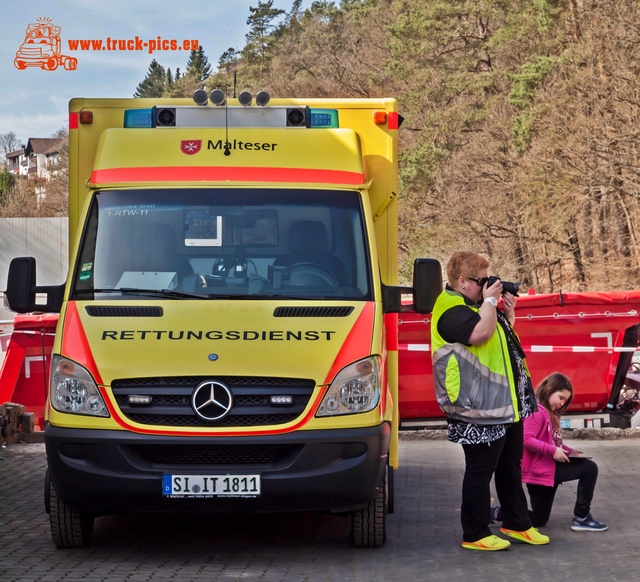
(34, 102)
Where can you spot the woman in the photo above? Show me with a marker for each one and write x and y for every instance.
(485, 391)
(547, 461)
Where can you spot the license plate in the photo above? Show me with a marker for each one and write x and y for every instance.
(183, 486)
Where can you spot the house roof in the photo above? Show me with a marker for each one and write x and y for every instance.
(15, 153)
(42, 145)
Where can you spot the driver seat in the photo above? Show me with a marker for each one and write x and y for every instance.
(309, 243)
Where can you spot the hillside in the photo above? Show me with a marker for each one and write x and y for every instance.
(520, 128)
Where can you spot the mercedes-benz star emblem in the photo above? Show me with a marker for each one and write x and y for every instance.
(211, 400)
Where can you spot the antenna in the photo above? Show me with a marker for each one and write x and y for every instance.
(217, 97)
(227, 145)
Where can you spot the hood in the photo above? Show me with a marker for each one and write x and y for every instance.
(118, 339)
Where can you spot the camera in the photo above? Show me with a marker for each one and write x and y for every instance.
(507, 286)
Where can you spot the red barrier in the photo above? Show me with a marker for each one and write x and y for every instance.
(24, 375)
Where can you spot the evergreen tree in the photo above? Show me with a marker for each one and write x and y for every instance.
(198, 65)
(154, 83)
(168, 84)
(261, 29)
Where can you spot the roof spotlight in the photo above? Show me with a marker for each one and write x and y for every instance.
(262, 98)
(217, 97)
(245, 98)
(200, 97)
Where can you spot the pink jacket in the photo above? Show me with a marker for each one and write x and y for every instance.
(538, 464)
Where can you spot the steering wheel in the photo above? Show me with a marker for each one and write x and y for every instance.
(311, 275)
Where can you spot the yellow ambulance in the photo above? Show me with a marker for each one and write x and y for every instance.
(227, 338)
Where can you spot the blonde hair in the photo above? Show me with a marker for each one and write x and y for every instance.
(555, 382)
(465, 264)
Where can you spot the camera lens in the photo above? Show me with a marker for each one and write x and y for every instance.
(166, 117)
(508, 287)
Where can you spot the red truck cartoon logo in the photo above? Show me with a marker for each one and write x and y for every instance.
(42, 48)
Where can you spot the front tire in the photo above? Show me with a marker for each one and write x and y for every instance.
(368, 525)
(70, 528)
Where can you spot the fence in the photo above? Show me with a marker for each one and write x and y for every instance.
(46, 239)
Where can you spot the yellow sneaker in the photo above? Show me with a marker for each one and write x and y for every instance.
(531, 536)
(490, 543)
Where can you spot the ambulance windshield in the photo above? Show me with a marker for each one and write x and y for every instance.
(225, 243)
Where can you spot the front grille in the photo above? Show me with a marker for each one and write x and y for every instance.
(171, 400)
(213, 454)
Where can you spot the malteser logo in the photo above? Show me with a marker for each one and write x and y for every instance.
(42, 48)
(190, 146)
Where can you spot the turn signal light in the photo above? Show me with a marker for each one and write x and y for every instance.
(379, 117)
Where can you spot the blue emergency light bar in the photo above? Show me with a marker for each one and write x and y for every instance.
(287, 117)
(138, 118)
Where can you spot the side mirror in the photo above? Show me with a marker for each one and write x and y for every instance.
(20, 295)
(427, 284)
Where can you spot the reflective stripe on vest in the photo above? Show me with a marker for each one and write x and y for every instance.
(472, 383)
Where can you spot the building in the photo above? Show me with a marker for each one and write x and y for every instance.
(17, 163)
(42, 155)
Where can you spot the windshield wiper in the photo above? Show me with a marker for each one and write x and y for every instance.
(171, 293)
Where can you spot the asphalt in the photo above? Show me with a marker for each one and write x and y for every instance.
(423, 534)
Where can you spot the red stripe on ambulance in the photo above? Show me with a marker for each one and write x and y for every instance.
(225, 173)
(75, 345)
(357, 345)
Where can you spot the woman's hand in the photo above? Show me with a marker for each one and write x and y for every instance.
(509, 305)
(560, 456)
(575, 453)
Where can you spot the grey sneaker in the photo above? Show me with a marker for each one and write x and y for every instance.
(587, 524)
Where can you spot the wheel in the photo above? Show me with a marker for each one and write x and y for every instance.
(70, 528)
(391, 489)
(70, 64)
(368, 525)
(19, 64)
(50, 65)
(311, 275)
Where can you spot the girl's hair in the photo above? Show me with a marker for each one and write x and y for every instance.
(554, 383)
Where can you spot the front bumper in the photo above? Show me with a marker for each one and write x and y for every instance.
(105, 472)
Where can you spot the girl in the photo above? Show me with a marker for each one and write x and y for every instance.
(547, 461)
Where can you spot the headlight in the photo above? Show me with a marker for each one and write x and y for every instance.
(356, 389)
(73, 390)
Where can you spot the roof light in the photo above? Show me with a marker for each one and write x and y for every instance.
(200, 97)
(379, 117)
(138, 118)
(327, 118)
(217, 97)
(262, 98)
(245, 98)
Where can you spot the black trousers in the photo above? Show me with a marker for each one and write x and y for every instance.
(585, 470)
(502, 458)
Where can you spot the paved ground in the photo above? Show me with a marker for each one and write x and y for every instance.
(423, 534)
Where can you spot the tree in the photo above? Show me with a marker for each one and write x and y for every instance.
(8, 143)
(261, 28)
(6, 181)
(198, 65)
(153, 84)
